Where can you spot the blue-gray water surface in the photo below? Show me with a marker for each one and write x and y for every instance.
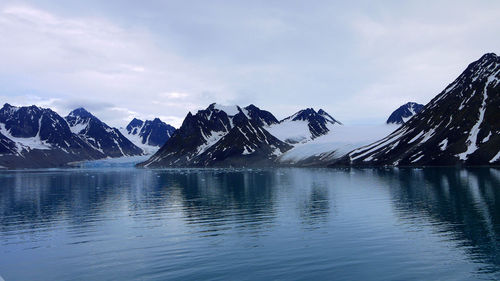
(272, 224)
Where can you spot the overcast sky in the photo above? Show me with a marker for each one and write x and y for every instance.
(358, 60)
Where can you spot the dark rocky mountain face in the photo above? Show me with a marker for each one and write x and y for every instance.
(404, 113)
(317, 121)
(100, 136)
(459, 126)
(134, 127)
(212, 137)
(196, 133)
(260, 117)
(150, 132)
(39, 137)
(7, 146)
(35, 122)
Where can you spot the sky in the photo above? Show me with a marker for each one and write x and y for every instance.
(358, 60)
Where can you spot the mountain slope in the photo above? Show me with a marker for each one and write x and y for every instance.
(459, 126)
(149, 135)
(100, 136)
(404, 113)
(220, 135)
(341, 140)
(7, 146)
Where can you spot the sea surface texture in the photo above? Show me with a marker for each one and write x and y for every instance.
(121, 223)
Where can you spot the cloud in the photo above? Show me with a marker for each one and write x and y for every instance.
(94, 63)
(357, 60)
(413, 55)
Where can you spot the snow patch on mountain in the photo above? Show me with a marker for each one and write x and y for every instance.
(210, 139)
(230, 110)
(339, 141)
(25, 143)
(472, 139)
(495, 158)
(136, 139)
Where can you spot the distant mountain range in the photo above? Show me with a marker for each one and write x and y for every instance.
(34, 137)
(458, 127)
(222, 136)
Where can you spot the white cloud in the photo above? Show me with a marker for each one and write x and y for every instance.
(414, 57)
(358, 60)
(92, 60)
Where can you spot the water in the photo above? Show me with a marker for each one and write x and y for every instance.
(277, 224)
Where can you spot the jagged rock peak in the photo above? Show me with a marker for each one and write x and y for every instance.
(152, 133)
(310, 114)
(80, 112)
(404, 113)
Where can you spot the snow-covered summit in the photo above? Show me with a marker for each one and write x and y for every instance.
(230, 110)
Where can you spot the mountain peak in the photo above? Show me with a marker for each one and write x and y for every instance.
(404, 112)
(489, 57)
(310, 114)
(9, 107)
(81, 112)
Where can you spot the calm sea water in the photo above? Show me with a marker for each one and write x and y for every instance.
(277, 224)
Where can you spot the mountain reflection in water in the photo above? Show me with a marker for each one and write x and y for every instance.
(190, 224)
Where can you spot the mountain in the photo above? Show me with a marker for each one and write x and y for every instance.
(32, 137)
(7, 146)
(303, 126)
(460, 126)
(100, 136)
(149, 135)
(404, 113)
(221, 136)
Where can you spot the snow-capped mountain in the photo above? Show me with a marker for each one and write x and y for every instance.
(404, 113)
(37, 137)
(100, 136)
(221, 136)
(303, 126)
(149, 135)
(459, 126)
